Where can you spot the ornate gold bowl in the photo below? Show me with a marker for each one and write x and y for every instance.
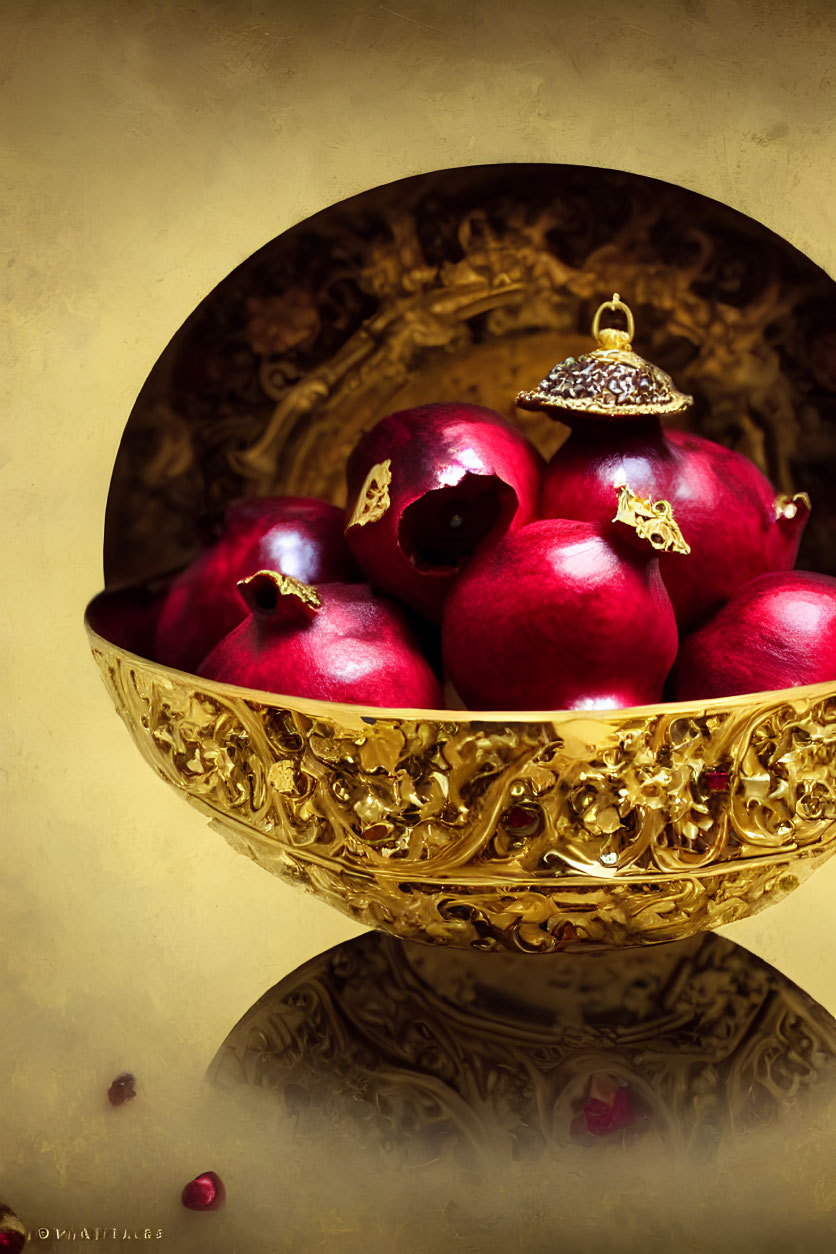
(526, 831)
(531, 831)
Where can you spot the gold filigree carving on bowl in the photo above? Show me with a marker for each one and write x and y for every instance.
(531, 832)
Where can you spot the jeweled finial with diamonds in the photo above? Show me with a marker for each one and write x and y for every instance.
(610, 382)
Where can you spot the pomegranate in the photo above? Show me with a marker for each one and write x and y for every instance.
(778, 631)
(427, 487)
(127, 617)
(337, 642)
(560, 614)
(299, 536)
(735, 524)
(205, 1192)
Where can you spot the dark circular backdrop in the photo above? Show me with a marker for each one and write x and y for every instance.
(470, 284)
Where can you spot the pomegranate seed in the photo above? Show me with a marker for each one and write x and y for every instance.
(123, 1089)
(717, 781)
(607, 1108)
(12, 1231)
(601, 1117)
(378, 831)
(522, 820)
(205, 1192)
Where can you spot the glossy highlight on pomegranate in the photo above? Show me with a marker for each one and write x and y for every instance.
(728, 511)
(299, 536)
(779, 631)
(427, 488)
(337, 642)
(560, 615)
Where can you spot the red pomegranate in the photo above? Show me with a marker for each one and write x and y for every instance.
(729, 513)
(127, 617)
(778, 631)
(427, 487)
(560, 615)
(337, 642)
(299, 536)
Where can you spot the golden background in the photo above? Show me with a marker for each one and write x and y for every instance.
(149, 149)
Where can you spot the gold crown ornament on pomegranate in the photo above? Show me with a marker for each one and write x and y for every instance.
(611, 381)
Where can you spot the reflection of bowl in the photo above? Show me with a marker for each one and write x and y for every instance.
(531, 832)
(463, 1058)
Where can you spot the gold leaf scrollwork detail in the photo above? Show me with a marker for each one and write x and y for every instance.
(373, 498)
(653, 521)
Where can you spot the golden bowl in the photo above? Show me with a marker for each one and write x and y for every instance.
(528, 831)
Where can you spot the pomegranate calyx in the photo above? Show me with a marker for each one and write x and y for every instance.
(272, 595)
(652, 520)
(373, 498)
(786, 506)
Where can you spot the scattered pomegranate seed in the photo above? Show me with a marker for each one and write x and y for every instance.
(522, 820)
(12, 1231)
(717, 781)
(205, 1192)
(379, 831)
(123, 1089)
(602, 1117)
(607, 1108)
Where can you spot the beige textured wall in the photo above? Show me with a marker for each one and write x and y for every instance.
(148, 149)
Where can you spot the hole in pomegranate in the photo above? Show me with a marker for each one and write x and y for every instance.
(263, 593)
(446, 526)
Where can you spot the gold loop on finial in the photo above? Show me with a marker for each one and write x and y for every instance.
(616, 303)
